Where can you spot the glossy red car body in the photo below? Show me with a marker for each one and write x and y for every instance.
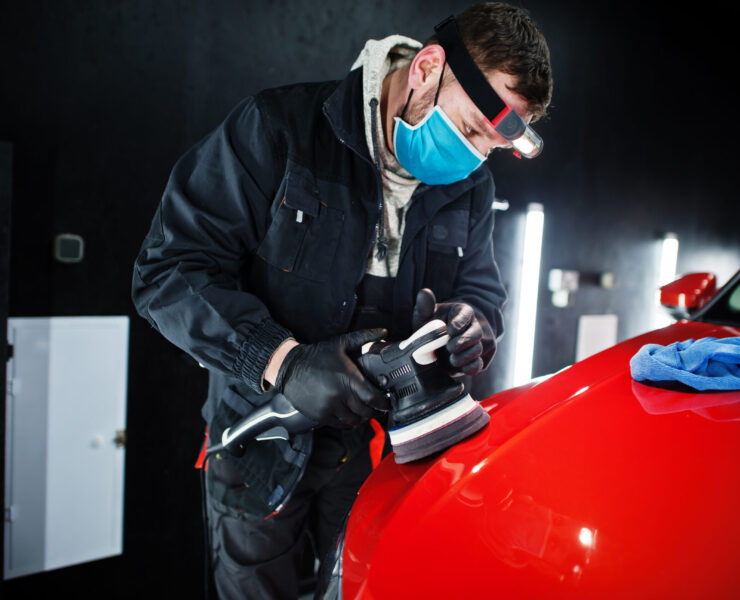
(584, 485)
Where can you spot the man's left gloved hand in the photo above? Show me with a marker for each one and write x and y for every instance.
(472, 341)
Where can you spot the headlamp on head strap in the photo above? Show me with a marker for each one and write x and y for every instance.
(502, 117)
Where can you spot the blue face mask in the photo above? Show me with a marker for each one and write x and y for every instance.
(434, 150)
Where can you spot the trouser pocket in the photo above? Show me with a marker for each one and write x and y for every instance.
(254, 557)
(260, 481)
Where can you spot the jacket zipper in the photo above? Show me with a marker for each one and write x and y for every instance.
(378, 182)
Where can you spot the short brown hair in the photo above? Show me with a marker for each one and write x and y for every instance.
(504, 38)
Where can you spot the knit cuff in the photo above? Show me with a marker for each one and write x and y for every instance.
(256, 351)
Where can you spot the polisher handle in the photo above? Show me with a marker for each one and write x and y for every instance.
(279, 412)
(426, 354)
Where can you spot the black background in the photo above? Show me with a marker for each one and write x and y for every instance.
(100, 99)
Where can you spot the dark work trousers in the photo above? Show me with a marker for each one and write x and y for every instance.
(261, 558)
(253, 557)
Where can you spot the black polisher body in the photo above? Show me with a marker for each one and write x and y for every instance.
(430, 411)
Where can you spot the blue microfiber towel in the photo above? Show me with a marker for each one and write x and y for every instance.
(705, 364)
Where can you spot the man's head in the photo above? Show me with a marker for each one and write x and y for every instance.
(503, 38)
(508, 49)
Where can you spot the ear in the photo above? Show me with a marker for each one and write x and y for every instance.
(426, 67)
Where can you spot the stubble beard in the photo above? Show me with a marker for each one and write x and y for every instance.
(419, 107)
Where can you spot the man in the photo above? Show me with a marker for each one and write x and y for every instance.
(305, 226)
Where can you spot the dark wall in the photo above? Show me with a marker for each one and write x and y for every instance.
(6, 187)
(100, 99)
(639, 142)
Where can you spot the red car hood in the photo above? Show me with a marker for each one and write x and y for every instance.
(585, 485)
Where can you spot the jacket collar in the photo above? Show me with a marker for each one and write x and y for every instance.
(345, 113)
(437, 196)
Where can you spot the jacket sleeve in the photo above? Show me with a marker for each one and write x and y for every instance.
(186, 279)
(478, 280)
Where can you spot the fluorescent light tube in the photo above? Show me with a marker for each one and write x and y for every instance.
(529, 286)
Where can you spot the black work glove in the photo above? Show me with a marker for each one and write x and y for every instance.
(324, 384)
(472, 341)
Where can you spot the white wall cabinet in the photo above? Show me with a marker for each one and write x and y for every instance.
(65, 434)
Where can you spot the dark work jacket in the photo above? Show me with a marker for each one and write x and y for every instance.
(264, 231)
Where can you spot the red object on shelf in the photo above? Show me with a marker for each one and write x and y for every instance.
(692, 291)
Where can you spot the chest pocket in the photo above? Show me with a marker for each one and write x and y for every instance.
(304, 234)
(447, 241)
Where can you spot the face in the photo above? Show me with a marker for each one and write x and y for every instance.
(464, 113)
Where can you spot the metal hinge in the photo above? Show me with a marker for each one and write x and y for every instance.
(10, 352)
(10, 514)
(12, 386)
(120, 439)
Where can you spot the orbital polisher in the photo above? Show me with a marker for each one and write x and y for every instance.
(430, 411)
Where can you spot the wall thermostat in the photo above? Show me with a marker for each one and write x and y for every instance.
(69, 248)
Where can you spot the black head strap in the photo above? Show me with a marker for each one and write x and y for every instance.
(466, 71)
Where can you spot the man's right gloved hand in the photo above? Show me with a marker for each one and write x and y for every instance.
(472, 341)
(324, 383)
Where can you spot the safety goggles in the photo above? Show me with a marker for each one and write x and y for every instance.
(502, 117)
